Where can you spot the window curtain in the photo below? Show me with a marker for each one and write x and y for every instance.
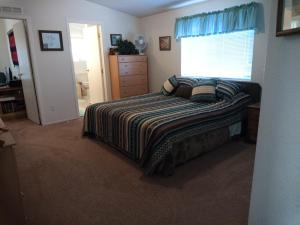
(239, 18)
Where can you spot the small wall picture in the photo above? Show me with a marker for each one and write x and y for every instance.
(51, 40)
(165, 43)
(115, 38)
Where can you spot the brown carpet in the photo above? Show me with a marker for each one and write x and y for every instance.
(68, 180)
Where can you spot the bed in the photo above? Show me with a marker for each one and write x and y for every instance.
(161, 132)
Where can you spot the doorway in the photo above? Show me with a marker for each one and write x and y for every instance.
(87, 63)
(17, 90)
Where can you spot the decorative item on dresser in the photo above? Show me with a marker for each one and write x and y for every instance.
(141, 45)
(129, 76)
(253, 111)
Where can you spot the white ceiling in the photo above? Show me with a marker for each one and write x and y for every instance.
(141, 8)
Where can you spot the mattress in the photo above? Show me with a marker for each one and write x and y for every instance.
(145, 128)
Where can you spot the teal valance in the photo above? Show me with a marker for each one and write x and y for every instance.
(239, 18)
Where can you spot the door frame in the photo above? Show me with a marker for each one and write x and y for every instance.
(101, 52)
(27, 25)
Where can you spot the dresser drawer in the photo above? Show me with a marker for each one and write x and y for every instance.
(133, 91)
(132, 58)
(126, 81)
(136, 68)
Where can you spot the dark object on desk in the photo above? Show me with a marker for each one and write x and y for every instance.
(253, 112)
(2, 79)
(10, 74)
(15, 83)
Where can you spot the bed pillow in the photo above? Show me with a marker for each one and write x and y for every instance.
(227, 89)
(204, 91)
(170, 85)
(184, 91)
(187, 81)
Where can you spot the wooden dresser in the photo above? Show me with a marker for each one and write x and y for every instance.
(129, 75)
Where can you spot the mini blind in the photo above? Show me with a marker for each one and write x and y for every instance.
(227, 55)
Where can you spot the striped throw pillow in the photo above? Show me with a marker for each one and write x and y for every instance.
(184, 91)
(204, 91)
(227, 89)
(187, 81)
(169, 86)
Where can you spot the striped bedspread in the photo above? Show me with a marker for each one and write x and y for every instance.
(145, 127)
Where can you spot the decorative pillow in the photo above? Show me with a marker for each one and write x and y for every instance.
(204, 91)
(227, 89)
(184, 91)
(170, 85)
(187, 81)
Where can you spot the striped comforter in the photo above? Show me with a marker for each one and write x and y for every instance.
(145, 127)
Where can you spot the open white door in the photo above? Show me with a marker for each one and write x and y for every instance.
(26, 72)
(95, 76)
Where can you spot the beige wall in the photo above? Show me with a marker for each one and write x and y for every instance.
(275, 198)
(163, 64)
(53, 70)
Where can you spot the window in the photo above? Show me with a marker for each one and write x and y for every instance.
(79, 52)
(227, 55)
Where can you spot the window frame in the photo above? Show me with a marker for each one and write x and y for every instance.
(225, 77)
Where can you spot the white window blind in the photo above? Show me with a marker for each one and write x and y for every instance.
(227, 55)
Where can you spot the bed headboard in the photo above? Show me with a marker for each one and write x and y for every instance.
(251, 88)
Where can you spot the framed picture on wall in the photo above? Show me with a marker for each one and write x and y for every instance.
(165, 43)
(288, 18)
(115, 38)
(51, 40)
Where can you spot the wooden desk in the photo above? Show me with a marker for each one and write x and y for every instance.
(10, 89)
(12, 103)
(11, 209)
